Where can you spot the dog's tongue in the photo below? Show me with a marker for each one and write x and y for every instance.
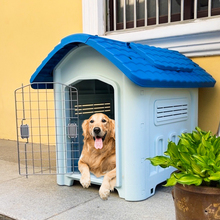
(98, 143)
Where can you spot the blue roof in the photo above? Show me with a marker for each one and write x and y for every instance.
(144, 65)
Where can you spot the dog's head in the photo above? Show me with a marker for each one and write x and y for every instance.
(100, 128)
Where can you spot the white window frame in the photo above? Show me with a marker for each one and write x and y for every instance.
(193, 38)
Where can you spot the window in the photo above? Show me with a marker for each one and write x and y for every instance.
(125, 14)
(162, 26)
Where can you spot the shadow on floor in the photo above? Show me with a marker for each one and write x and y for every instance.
(3, 217)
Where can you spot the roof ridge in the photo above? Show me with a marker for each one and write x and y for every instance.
(167, 62)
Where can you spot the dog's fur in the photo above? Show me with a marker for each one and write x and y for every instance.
(98, 158)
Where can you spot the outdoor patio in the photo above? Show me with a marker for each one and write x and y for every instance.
(40, 198)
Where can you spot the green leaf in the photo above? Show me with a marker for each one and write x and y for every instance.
(160, 160)
(206, 171)
(206, 143)
(185, 158)
(216, 146)
(185, 145)
(201, 132)
(182, 148)
(211, 155)
(191, 139)
(201, 150)
(217, 168)
(213, 164)
(192, 149)
(184, 142)
(196, 136)
(171, 181)
(172, 150)
(206, 180)
(197, 169)
(179, 163)
(215, 176)
(207, 135)
(189, 179)
(201, 160)
(178, 174)
(217, 159)
(199, 129)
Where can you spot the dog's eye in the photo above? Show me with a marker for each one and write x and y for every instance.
(103, 120)
(92, 121)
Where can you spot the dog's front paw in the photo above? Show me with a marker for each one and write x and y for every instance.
(104, 193)
(85, 182)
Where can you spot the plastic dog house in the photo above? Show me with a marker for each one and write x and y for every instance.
(152, 94)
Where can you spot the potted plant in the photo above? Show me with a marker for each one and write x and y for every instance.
(196, 182)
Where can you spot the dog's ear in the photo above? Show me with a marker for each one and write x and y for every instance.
(112, 128)
(85, 129)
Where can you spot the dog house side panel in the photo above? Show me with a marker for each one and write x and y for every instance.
(143, 137)
(134, 139)
(172, 112)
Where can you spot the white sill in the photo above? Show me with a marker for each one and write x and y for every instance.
(199, 37)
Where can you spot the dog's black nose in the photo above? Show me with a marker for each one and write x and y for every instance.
(97, 130)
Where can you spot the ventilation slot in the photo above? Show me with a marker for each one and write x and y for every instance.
(92, 108)
(171, 111)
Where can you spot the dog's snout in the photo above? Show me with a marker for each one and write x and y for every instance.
(96, 130)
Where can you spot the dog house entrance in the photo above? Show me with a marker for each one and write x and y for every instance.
(95, 96)
(49, 118)
(47, 128)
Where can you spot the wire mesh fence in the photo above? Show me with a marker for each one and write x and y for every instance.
(47, 129)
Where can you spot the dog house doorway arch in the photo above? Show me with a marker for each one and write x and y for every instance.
(97, 95)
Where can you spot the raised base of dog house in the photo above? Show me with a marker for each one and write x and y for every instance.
(68, 179)
(128, 192)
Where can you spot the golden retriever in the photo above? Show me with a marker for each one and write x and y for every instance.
(98, 154)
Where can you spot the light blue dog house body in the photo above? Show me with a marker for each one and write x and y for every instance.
(151, 93)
